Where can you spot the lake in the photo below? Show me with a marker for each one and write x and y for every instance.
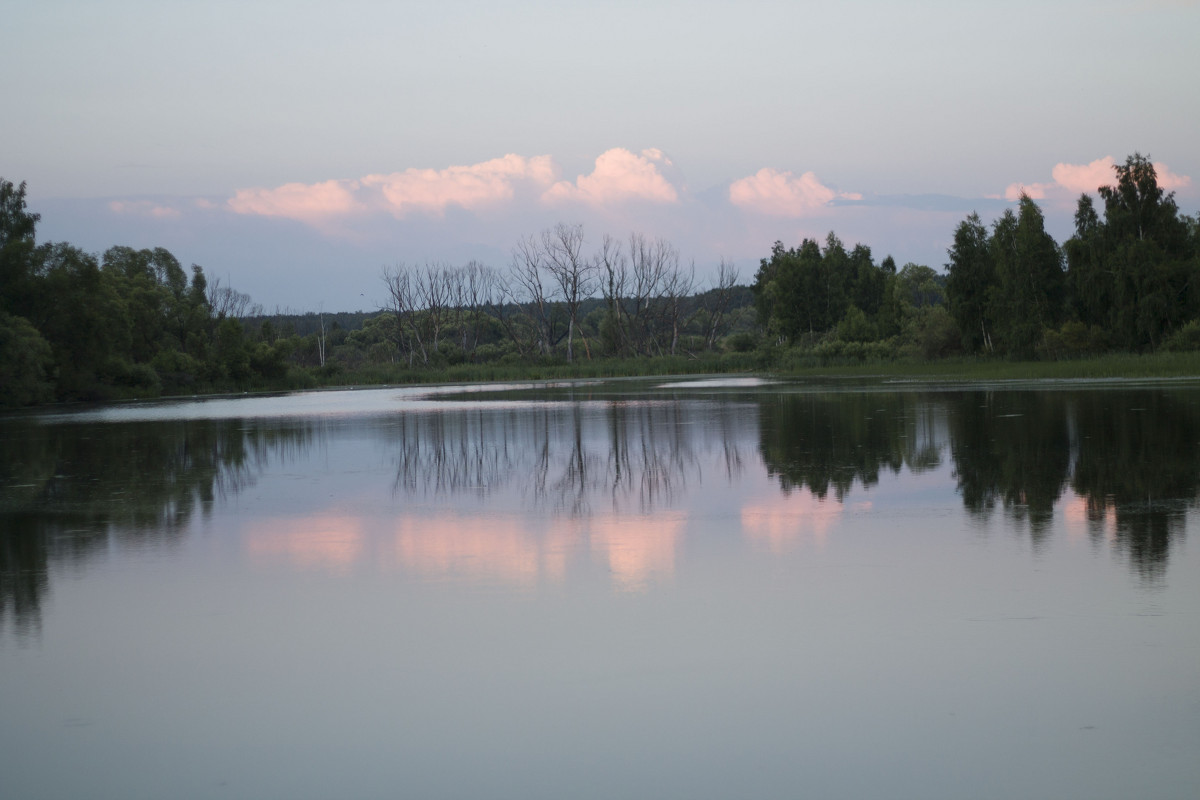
(704, 588)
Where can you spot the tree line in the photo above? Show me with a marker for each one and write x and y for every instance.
(74, 325)
(135, 323)
(631, 298)
(1129, 281)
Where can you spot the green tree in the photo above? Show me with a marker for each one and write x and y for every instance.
(17, 229)
(26, 363)
(1089, 283)
(80, 313)
(971, 277)
(1028, 294)
(1136, 273)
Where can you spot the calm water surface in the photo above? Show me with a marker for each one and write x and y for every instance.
(693, 589)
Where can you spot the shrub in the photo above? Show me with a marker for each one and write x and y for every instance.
(1187, 338)
(743, 342)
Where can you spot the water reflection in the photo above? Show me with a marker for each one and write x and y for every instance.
(572, 459)
(521, 492)
(832, 441)
(69, 492)
(1138, 465)
(1129, 459)
(605, 479)
(1011, 448)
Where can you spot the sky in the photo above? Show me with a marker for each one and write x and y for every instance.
(295, 149)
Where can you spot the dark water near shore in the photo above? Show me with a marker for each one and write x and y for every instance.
(615, 589)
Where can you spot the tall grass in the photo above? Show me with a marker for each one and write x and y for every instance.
(1113, 365)
(781, 362)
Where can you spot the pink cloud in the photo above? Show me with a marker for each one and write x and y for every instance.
(307, 202)
(1071, 180)
(1169, 181)
(782, 193)
(429, 191)
(472, 186)
(619, 175)
(1079, 178)
(1036, 191)
(143, 208)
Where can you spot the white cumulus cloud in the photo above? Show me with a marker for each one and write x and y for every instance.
(783, 194)
(619, 175)
(1071, 180)
(307, 202)
(469, 187)
(429, 191)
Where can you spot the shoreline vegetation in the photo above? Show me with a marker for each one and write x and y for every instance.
(966, 371)
(1119, 299)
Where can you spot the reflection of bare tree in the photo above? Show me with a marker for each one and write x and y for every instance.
(569, 457)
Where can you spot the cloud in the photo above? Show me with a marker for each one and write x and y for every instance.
(429, 191)
(783, 194)
(1036, 191)
(469, 187)
(1071, 180)
(619, 175)
(307, 202)
(1080, 178)
(143, 208)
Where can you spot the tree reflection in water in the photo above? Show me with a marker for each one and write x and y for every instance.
(621, 456)
(833, 440)
(1138, 456)
(68, 491)
(1130, 455)
(1012, 448)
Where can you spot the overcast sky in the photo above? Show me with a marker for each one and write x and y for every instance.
(293, 149)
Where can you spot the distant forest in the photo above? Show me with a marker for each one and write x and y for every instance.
(135, 323)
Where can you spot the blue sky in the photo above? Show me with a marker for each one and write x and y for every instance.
(294, 149)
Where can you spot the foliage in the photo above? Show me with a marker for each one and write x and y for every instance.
(26, 363)
(1136, 273)
(135, 323)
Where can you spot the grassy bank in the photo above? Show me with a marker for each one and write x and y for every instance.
(1115, 365)
(778, 363)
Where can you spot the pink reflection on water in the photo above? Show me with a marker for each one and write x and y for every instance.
(328, 542)
(1082, 517)
(780, 521)
(637, 548)
(489, 548)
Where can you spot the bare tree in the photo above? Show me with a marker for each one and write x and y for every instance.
(434, 291)
(718, 300)
(226, 301)
(529, 277)
(479, 293)
(613, 270)
(562, 252)
(677, 288)
(652, 262)
(403, 302)
(321, 335)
